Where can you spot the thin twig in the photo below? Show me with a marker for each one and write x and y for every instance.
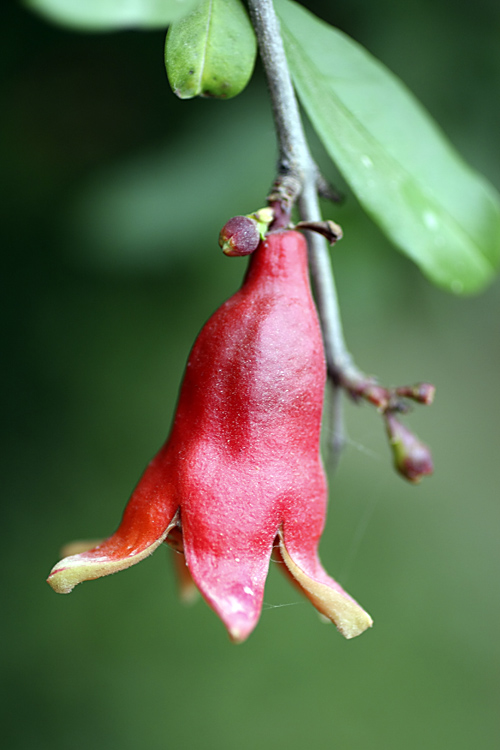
(295, 159)
(298, 181)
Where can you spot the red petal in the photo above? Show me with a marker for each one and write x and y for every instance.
(148, 518)
(299, 539)
(327, 595)
(228, 545)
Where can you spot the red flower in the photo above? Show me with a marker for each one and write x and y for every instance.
(241, 471)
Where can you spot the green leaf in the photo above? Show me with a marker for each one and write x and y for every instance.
(211, 51)
(108, 15)
(396, 160)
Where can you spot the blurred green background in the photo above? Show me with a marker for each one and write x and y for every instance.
(113, 192)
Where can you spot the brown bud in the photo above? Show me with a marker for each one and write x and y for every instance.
(240, 236)
(423, 393)
(412, 458)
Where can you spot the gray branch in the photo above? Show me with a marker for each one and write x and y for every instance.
(295, 159)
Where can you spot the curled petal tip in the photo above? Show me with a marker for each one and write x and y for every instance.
(61, 580)
(330, 599)
(108, 557)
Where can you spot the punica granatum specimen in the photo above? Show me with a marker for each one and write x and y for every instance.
(241, 471)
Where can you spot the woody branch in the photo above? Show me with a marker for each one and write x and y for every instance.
(299, 181)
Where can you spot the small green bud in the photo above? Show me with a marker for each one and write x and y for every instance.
(211, 51)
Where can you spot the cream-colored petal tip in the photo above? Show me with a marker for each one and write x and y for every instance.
(74, 570)
(62, 580)
(349, 618)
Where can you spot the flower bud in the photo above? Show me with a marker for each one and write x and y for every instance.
(412, 458)
(240, 236)
(422, 393)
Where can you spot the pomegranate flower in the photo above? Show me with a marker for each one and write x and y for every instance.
(241, 472)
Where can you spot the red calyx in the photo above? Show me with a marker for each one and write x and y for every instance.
(241, 467)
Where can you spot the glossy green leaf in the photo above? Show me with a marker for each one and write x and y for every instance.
(211, 51)
(397, 161)
(106, 15)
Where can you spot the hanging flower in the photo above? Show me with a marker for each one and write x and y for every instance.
(241, 472)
